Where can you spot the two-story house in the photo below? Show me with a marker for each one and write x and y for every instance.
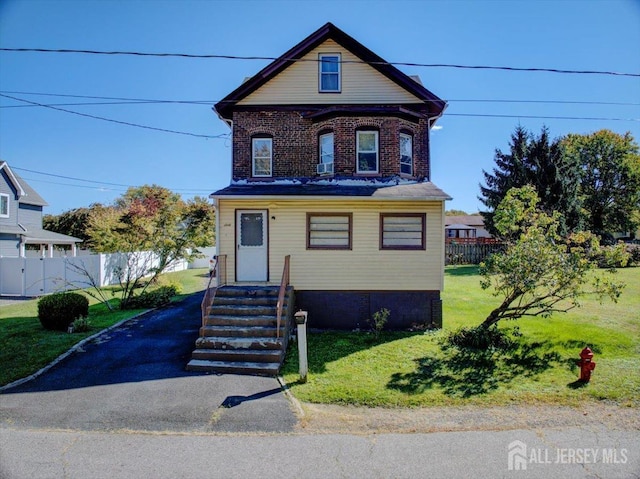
(21, 219)
(331, 167)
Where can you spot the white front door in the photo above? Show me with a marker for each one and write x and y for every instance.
(251, 245)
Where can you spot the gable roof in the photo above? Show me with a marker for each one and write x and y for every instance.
(329, 31)
(465, 220)
(26, 194)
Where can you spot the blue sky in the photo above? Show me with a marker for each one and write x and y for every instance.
(564, 34)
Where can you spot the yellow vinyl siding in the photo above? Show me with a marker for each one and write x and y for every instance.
(298, 84)
(364, 267)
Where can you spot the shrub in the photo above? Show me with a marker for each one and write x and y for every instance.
(81, 325)
(633, 250)
(153, 299)
(482, 338)
(379, 320)
(57, 311)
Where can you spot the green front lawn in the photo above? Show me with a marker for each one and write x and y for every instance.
(26, 347)
(413, 369)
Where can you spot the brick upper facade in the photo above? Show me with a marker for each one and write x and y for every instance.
(295, 139)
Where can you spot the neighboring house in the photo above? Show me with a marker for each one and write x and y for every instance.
(21, 219)
(331, 166)
(469, 228)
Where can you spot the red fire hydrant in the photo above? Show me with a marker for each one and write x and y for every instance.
(586, 364)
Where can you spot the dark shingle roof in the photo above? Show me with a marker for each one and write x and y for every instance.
(424, 190)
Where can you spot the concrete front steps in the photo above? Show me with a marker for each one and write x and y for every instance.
(239, 335)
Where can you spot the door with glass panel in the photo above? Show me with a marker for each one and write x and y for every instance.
(251, 245)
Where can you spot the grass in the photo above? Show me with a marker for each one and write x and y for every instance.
(404, 369)
(26, 347)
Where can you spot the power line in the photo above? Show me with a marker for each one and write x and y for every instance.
(489, 100)
(237, 57)
(64, 177)
(540, 117)
(227, 135)
(221, 136)
(133, 101)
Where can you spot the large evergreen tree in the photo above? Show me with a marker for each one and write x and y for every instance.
(539, 162)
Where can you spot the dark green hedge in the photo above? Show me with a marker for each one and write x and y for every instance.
(57, 311)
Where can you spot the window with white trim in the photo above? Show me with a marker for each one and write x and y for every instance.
(329, 230)
(325, 142)
(403, 231)
(367, 151)
(262, 155)
(406, 154)
(329, 72)
(4, 205)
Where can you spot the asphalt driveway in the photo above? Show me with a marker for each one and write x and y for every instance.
(133, 378)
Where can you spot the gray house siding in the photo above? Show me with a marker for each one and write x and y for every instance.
(9, 245)
(30, 215)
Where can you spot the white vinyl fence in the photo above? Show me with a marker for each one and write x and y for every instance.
(38, 276)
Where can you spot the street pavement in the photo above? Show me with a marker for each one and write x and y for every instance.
(561, 453)
(122, 406)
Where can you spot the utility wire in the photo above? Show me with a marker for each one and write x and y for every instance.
(236, 57)
(133, 101)
(227, 135)
(221, 136)
(190, 190)
(541, 117)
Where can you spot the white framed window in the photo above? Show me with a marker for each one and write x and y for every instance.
(262, 156)
(4, 205)
(329, 230)
(329, 72)
(406, 154)
(367, 151)
(325, 143)
(403, 231)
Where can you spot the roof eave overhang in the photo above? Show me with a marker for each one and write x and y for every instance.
(328, 198)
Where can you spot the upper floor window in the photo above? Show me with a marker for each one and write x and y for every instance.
(367, 151)
(329, 72)
(262, 155)
(406, 154)
(326, 153)
(4, 206)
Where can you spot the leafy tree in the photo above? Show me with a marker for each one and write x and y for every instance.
(456, 213)
(74, 222)
(610, 180)
(540, 272)
(150, 219)
(536, 161)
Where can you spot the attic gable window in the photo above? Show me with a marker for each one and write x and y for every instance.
(262, 156)
(4, 206)
(329, 73)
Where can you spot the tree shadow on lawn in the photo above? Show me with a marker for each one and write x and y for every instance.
(461, 270)
(324, 347)
(465, 372)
